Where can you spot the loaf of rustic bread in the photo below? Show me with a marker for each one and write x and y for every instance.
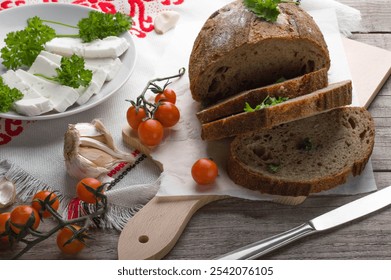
(236, 51)
(305, 156)
(289, 88)
(333, 96)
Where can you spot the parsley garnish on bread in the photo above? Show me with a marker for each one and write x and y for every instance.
(266, 9)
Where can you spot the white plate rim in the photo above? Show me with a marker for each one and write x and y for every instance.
(128, 65)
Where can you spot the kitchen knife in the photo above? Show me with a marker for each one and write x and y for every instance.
(329, 220)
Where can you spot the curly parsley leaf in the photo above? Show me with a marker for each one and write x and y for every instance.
(267, 102)
(71, 73)
(23, 46)
(8, 96)
(266, 9)
(101, 25)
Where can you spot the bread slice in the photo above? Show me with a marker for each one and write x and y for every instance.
(235, 51)
(305, 156)
(333, 96)
(289, 88)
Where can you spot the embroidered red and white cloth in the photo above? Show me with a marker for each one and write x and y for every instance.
(142, 11)
(37, 147)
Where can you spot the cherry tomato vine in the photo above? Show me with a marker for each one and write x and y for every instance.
(150, 118)
(21, 224)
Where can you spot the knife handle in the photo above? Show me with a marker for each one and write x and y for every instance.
(259, 248)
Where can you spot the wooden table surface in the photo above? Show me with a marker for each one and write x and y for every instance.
(228, 224)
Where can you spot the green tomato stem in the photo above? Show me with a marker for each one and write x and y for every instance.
(61, 224)
(180, 74)
(142, 102)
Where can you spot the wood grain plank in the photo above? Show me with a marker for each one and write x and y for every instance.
(380, 40)
(375, 14)
(252, 221)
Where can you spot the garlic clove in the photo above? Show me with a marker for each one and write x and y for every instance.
(89, 142)
(89, 150)
(87, 130)
(7, 193)
(80, 167)
(165, 21)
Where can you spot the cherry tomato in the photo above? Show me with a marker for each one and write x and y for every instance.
(150, 132)
(66, 234)
(84, 193)
(204, 171)
(38, 202)
(168, 95)
(22, 216)
(4, 219)
(135, 117)
(167, 114)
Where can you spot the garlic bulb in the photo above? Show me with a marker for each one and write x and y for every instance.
(7, 192)
(89, 151)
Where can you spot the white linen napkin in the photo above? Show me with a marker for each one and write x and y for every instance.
(349, 19)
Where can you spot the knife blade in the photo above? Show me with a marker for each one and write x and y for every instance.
(339, 216)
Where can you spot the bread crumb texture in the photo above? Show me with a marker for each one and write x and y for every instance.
(305, 156)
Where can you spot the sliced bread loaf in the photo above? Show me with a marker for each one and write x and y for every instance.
(306, 156)
(235, 51)
(289, 88)
(333, 96)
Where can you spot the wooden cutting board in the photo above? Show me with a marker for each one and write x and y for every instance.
(370, 68)
(155, 229)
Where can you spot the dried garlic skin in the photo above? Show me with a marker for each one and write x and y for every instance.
(7, 193)
(89, 151)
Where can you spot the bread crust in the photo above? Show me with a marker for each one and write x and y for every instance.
(290, 88)
(282, 184)
(333, 96)
(233, 33)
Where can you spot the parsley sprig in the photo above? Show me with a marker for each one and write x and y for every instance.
(100, 25)
(71, 72)
(266, 9)
(8, 96)
(267, 102)
(23, 46)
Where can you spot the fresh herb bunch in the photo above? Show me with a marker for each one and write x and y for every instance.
(8, 96)
(71, 72)
(267, 9)
(267, 102)
(23, 46)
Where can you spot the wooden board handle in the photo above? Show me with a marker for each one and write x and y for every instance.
(155, 229)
